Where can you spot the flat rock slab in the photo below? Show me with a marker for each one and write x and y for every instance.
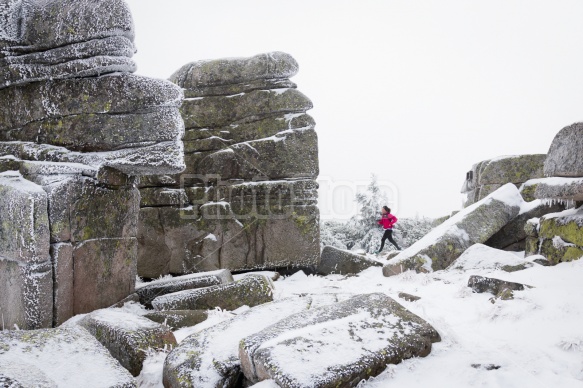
(128, 336)
(66, 39)
(343, 262)
(116, 94)
(565, 156)
(515, 169)
(560, 188)
(474, 224)
(273, 65)
(500, 288)
(336, 345)
(408, 297)
(210, 357)
(64, 357)
(177, 319)
(250, 291)
(219, 111)
(158, 288)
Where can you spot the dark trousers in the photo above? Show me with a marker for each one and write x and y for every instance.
(388, 235)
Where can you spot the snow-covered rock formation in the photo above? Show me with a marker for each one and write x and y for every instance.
(474, 224)
(75, 128)
(489, 175)
(247, 198)
(558, 236)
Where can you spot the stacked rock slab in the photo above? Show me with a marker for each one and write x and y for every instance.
(76, 127)
(560, 235)
(247, 198)
(489, 175)
(447, 242)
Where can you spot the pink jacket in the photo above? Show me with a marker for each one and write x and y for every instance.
(387, 221)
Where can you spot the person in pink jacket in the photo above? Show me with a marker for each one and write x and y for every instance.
(387, 221)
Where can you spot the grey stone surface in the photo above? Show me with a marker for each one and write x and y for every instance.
(565, 156)
(513, 236)
(489, 175)
(63, 357)
(163, 196)
(102, 132)
(250, 291)
(273, 65)
(210, 357)
(332, 330)
(77, 128)
(178, 319)
(105, 272)
(266, 224)
(408, 297)
(128, 336)
(27, 295)
(219, 111)
(343, 262)
(24, 230)
(475, 224)
(158, 288)
(560, 236)
(123, 93)
(245, 122)
(562, 189)
(63, 291)
(66, 39)
(25, 269)
(500, 288)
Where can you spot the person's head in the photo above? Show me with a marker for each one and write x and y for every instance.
(386, 210)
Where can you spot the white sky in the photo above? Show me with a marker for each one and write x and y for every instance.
(412, 91)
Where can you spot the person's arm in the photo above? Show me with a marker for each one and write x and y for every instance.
(393, 220)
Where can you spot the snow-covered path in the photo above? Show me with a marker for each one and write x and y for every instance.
(536, 339)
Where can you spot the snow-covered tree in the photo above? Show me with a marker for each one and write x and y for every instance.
(362, 231)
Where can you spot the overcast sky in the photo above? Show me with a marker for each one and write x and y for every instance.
(412, 91)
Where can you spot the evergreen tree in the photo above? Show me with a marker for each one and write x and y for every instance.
(362, 231)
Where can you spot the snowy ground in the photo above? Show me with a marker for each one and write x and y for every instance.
(535, 339)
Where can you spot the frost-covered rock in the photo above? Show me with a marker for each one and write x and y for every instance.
(177, 319)
(500, 288)
(250, 291)
(512, 236)
(409, 297)
(26, 282)
(561, 236)
(532, 242)
(489, 175)
(560, 189)
(251, 157)
(65, 39)
(63, 280)
(127, 336)
(210, 358)
(161, 287)
(104, 272)
(25, 226)
(337, 345)
(340, 261)
(565, 156)
(123, 121)
(474, 224)
(232, 71)
(64, 357)
(277, 228)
